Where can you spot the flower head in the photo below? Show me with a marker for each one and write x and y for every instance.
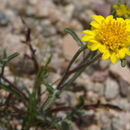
(122, 10)
(110, 36)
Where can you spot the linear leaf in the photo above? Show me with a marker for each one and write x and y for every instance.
(75, 36)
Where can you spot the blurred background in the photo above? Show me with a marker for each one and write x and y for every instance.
(47, 19)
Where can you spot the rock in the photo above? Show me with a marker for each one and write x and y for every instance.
(4, 20)
(85, 81)
(121, 103)
(22, 66)
(70, 46)
(124, 86)
(104, 119)
(78, 4)
(128, 60)
(120, 72)
(32, 2)
(63, 2)
(98, 89)
(85, 17)
(53, 78)
(15, 22)
(128, 94)
(94, 127)
(12, 43)
(94, 89)
(110, 1)
(104, 64)
(57, 63)
(86, 119)
(119, 123)
(106, 127)
(106, 122)
(47, 28)
(90, 70)
(93, 2)
(100, 76)
(66, 98)
(16, 5)
(2, 128)
(45, 9)
(74, 126)
(69, 9)
(30, 12)
(22, 82)
(64, 22)
(111, 89)
(92, 97)
(102, 9)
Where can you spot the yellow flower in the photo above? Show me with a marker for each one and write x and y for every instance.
(110, 36)
(122, 10)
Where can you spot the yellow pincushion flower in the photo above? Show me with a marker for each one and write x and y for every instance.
(110, 36)
(122, 10)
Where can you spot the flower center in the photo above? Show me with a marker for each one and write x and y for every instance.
(113, 34)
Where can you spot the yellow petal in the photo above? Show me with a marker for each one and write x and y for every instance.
(88, 32)
(102, 48)
(105, 55)
(95, 24)
(94, 41)
(128, 27)
(93, 46)
(98, 18)
(128, 43)
(127, 24)
(120, 19)
(86, 38)
(121, 53)
(108, 18)
(127, 21)
(115, 6)
(127, 51)
(113, 58)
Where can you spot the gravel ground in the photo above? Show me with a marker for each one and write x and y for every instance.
(48, 19)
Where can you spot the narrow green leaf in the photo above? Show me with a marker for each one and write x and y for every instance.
(5, 125)
(50, 100)
(75, 37)
(4, 53)
(31, 113)
(3, 60)
(49, 60)
(40, 77)
(12, 56)
(66, 125)
(9, 89)
(1, 65)
(81, 102)
(39, 81)
(50, 89)
(8, 58)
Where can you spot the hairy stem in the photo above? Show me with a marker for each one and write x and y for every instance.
(79, 69)
(65, 76)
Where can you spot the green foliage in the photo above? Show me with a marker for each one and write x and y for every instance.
(38, 113)
(123, 62)
(75, 37)
(66, 125)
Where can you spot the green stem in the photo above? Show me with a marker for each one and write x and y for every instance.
(81, 69)
(69, 66)
(16, 89)
(75, 37)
